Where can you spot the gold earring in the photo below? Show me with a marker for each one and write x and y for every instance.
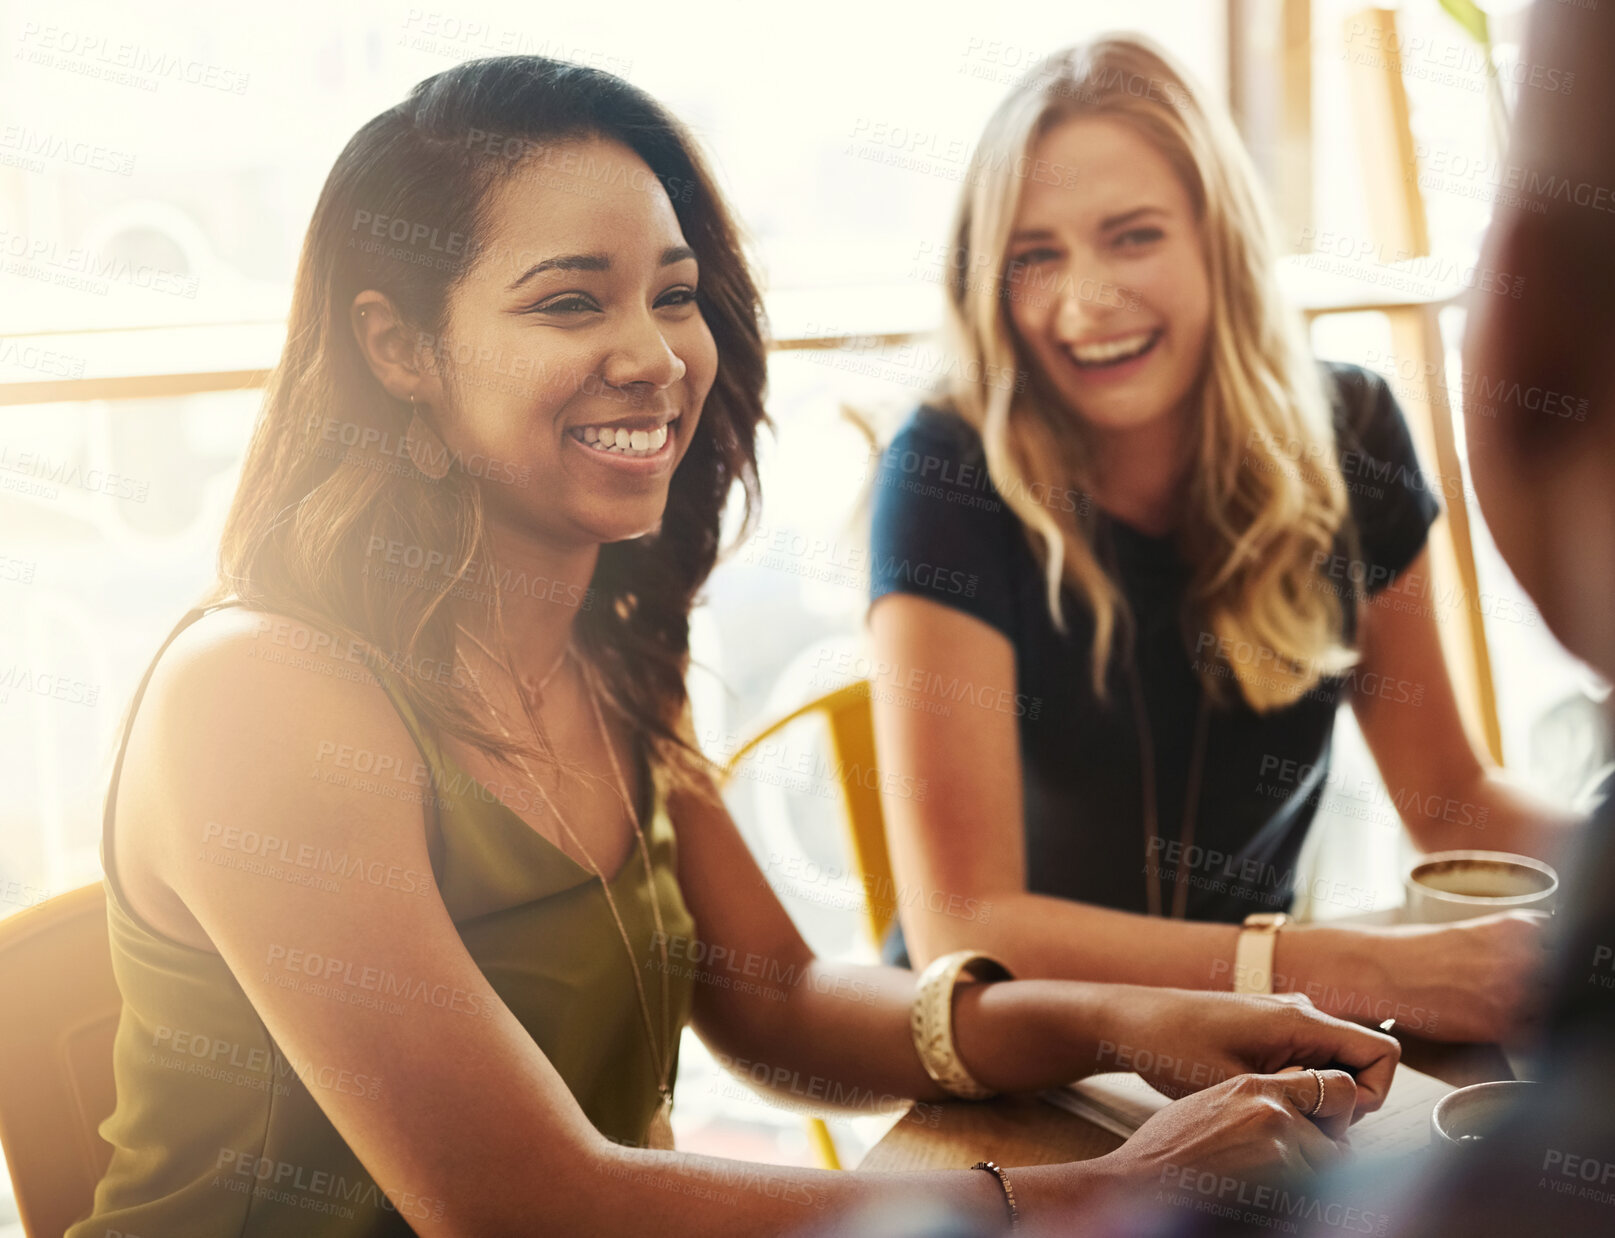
(426, 450)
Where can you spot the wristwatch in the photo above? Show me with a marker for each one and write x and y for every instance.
(1253, 956)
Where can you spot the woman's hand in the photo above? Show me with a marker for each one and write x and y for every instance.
(1253, 1127)
(1182, 1041)
(1473, 980)
(1477, 980)
(1252, 1131)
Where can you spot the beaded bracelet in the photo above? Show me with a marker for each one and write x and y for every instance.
(1002, 1174)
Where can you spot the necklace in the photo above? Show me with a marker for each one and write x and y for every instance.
(534, 692)
(1147, 781)
(660, 1132)
(1191, 800)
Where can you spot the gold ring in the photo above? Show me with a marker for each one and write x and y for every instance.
(1314, 1111)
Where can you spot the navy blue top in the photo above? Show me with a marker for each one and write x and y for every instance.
(941, 531)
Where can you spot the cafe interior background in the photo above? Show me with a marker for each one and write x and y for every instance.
(158, 166)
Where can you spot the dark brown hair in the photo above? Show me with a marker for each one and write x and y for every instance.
(311, 503)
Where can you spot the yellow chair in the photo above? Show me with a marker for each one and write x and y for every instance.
(852, 741)
(58, 1014)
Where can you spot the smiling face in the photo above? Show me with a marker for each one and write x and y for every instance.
(576, 358)
(1107, 286)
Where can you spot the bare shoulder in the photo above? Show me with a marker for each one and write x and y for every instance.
(240, 690)
(259, 738)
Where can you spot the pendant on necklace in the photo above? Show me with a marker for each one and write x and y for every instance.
(660, 1132)
(532, 692)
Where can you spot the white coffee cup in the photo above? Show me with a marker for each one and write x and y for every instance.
(1455, 885)
(1468, 1115)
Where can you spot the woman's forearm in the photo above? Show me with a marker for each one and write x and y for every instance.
(679, 1194)
(1036, 935)
(1490, 813)
(1341, 969)
(848, 1044)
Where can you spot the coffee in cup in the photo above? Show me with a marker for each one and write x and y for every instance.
(1455, 885)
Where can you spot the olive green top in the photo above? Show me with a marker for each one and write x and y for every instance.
(216, 1134)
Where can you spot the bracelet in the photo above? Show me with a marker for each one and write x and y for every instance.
(931, 1020)
(1253, 951)
(1002, 1174)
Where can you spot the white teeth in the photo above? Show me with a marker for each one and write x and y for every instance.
(1112, 350)
(614, 440)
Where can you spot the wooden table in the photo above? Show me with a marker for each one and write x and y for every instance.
(1022, 1130)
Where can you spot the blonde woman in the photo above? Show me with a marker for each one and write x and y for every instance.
(1121, 594)
(407, 848)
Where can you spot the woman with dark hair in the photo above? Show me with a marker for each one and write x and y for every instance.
(396, 903)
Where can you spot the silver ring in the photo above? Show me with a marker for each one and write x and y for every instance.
(1316, 1108)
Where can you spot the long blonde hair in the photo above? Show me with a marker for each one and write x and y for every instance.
(1267, 498)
